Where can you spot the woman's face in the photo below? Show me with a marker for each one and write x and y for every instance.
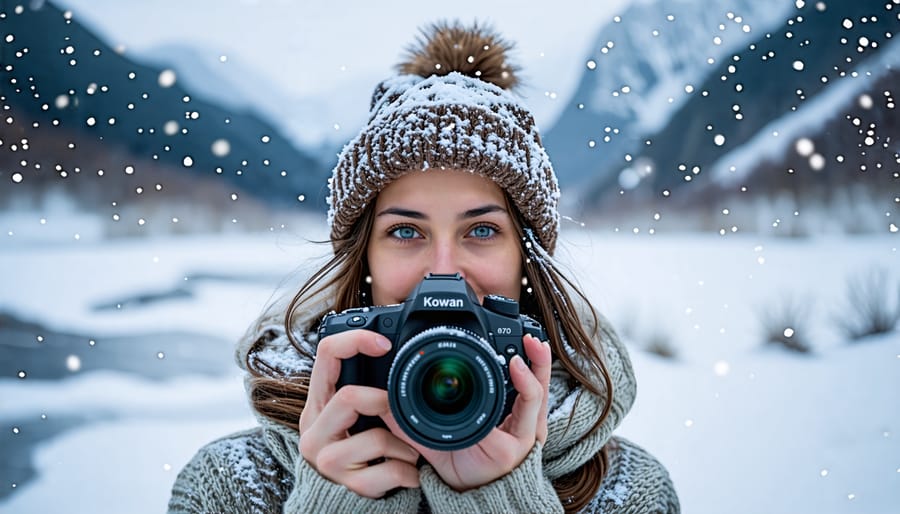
(443, 221)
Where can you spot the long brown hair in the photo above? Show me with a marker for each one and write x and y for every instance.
(282, 398)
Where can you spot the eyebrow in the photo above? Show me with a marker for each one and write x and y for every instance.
(471, 213)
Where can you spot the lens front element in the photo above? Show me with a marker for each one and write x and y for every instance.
(447, 386)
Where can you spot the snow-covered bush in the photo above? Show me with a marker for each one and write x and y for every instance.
(873, 304)
(784, 323)
(660, 343)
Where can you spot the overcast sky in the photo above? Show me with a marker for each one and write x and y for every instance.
(325, 48)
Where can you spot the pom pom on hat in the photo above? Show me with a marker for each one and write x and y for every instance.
(449, 110)
(477, 52)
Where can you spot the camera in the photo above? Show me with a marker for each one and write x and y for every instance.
(447, 373)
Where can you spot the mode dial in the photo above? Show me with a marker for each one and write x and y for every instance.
(501, 305)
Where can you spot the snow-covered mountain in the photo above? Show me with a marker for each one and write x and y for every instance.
(642, 68)
(867, 90)
(111, 130)
(658, 151)
(673, 93)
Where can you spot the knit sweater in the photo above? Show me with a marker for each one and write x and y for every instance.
(261, 470)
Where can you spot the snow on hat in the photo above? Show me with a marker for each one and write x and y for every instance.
(450, 108)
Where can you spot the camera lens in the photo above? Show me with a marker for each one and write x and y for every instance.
(447, 386)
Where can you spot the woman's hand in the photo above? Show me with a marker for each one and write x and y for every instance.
(506, 446)
(324, 441)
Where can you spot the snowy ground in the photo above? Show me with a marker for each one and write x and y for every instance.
(742, 427)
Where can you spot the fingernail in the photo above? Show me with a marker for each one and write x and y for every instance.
(383, 342)
(519, 363)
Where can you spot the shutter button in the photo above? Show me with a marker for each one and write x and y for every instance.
(356, 321)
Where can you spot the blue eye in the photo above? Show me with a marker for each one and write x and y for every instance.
(404, 233)
(483, 232)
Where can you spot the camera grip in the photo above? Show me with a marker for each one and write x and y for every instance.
(367, 371)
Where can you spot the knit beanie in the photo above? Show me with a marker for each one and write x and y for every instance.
(451, 107)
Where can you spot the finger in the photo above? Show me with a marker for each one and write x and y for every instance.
(541, 358)
(375, 481)
(327, 366)
(522, 423)
(357, 451)
(339, 414)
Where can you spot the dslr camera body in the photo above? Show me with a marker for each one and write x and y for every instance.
(447, 373)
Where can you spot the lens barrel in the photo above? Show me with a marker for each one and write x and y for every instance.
(446, 388)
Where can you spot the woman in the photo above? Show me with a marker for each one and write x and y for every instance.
(448, 176)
